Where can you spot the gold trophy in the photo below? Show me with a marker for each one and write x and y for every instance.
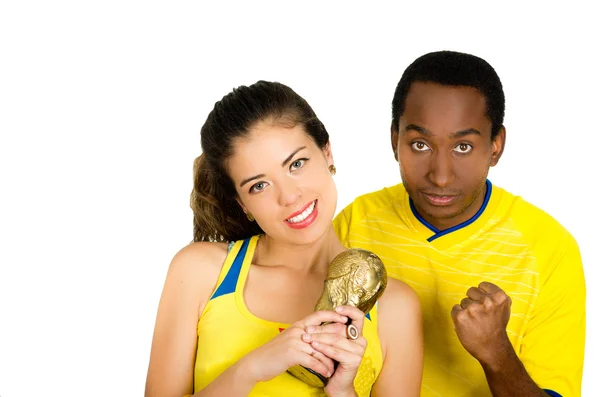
(356, 278)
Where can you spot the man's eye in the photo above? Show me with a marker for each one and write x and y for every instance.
(419, 146)
(463, 148)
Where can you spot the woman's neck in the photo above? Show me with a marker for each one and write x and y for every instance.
(308, 258)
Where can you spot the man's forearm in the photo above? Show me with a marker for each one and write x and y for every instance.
(507, 377)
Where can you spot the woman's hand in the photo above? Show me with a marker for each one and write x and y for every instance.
(288, 349)
(333, 342)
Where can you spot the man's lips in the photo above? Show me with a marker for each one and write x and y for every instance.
(438, 199)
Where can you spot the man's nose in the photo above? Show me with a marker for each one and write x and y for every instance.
(441, 169)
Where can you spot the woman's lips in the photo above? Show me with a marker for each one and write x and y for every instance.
(311, 215)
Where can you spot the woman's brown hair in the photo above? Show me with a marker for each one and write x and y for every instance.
(217, 214)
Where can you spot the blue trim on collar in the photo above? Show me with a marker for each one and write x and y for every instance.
(552, 393)
(440, 233)
(420, 218)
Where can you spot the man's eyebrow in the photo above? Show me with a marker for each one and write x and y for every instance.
(419, 129)
(457, 134)
(469, 131)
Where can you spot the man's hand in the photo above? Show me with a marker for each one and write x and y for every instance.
(480, 323)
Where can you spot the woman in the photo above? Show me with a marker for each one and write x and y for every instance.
(236, 310)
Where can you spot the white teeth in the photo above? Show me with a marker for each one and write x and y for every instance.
(303, 215)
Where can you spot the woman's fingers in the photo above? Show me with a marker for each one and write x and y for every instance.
(351, 357)
(323, 316)
(330, 328)
(324, 361)
(356, 315)
(338, 341)
(326, 335)
(311, 358)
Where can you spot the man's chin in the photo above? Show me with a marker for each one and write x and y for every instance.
(438, 212)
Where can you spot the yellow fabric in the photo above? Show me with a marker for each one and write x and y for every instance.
(512, 244)
(227, 331)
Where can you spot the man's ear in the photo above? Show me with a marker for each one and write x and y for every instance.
(498, 146)
(395, 142)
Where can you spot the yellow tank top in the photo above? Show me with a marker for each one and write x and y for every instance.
(227, 331)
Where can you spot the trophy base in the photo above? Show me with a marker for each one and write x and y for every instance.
(308, 376)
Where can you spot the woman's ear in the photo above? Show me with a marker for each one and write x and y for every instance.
(328, 153)
(241, 205)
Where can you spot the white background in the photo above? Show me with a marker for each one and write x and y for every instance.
(100, 110)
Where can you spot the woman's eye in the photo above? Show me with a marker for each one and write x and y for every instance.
(257, 187)
(297, 164)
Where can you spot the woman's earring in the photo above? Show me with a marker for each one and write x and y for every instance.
(332, 169)
(250, 217)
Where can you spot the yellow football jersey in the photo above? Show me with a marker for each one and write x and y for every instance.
(510, 243)
(227, 331)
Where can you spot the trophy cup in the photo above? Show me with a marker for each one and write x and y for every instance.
(356, 277)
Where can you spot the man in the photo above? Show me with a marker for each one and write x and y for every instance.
(500, 281)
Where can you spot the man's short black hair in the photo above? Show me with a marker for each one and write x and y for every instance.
(453, 69)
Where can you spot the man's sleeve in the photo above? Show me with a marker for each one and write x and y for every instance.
(341, 225)
(552, 348)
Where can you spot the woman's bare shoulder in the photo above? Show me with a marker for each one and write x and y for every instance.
(398, 298)
(207, 254)
(198, 264)
(400, 323)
